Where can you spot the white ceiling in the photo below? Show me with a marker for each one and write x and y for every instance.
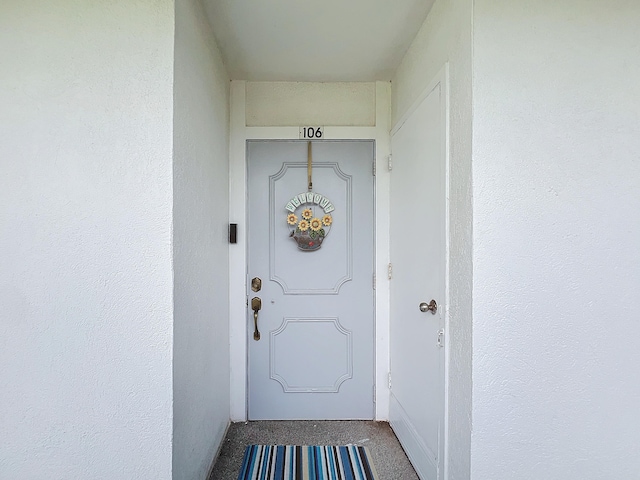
(319, 40)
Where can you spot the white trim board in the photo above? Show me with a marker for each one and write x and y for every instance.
(239, 134)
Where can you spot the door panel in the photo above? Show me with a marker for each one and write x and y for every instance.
(418, 253)
(315, 357)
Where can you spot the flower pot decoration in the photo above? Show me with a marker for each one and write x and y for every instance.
(309, 219)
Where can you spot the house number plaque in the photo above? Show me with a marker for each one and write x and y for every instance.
(311, 133)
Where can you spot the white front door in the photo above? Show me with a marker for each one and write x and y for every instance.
(418, 256)
(311, 352)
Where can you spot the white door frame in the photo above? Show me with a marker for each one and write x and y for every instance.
(238, 135)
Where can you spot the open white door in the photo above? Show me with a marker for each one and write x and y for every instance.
(418, 256)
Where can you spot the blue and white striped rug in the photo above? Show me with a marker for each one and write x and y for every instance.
(288, 462)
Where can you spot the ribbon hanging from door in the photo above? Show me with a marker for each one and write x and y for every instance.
(309, 167)
(309, 214)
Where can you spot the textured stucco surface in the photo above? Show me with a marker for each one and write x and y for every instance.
(85, 235)
(446, 37)
(556, 236)
(201, 265)
(310, 103)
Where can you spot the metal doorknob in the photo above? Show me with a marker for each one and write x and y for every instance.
(432, 307)
(256, 305)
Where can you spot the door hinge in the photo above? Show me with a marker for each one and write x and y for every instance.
(374, 168)
(389, 380)
(390, 162)
(374, 394)
(390, 271)
(374, 281)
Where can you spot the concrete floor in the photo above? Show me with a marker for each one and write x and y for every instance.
(387, 454)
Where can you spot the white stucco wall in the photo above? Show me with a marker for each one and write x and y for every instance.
(201, 266)
(446, 37)
(556, 240)
(85, 236)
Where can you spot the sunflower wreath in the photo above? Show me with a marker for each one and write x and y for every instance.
(313, 224)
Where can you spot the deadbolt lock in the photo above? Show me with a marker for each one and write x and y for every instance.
(256, 284)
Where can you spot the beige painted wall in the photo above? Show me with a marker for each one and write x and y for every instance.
(284, 104)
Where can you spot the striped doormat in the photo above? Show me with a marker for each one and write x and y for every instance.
(288, 462)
